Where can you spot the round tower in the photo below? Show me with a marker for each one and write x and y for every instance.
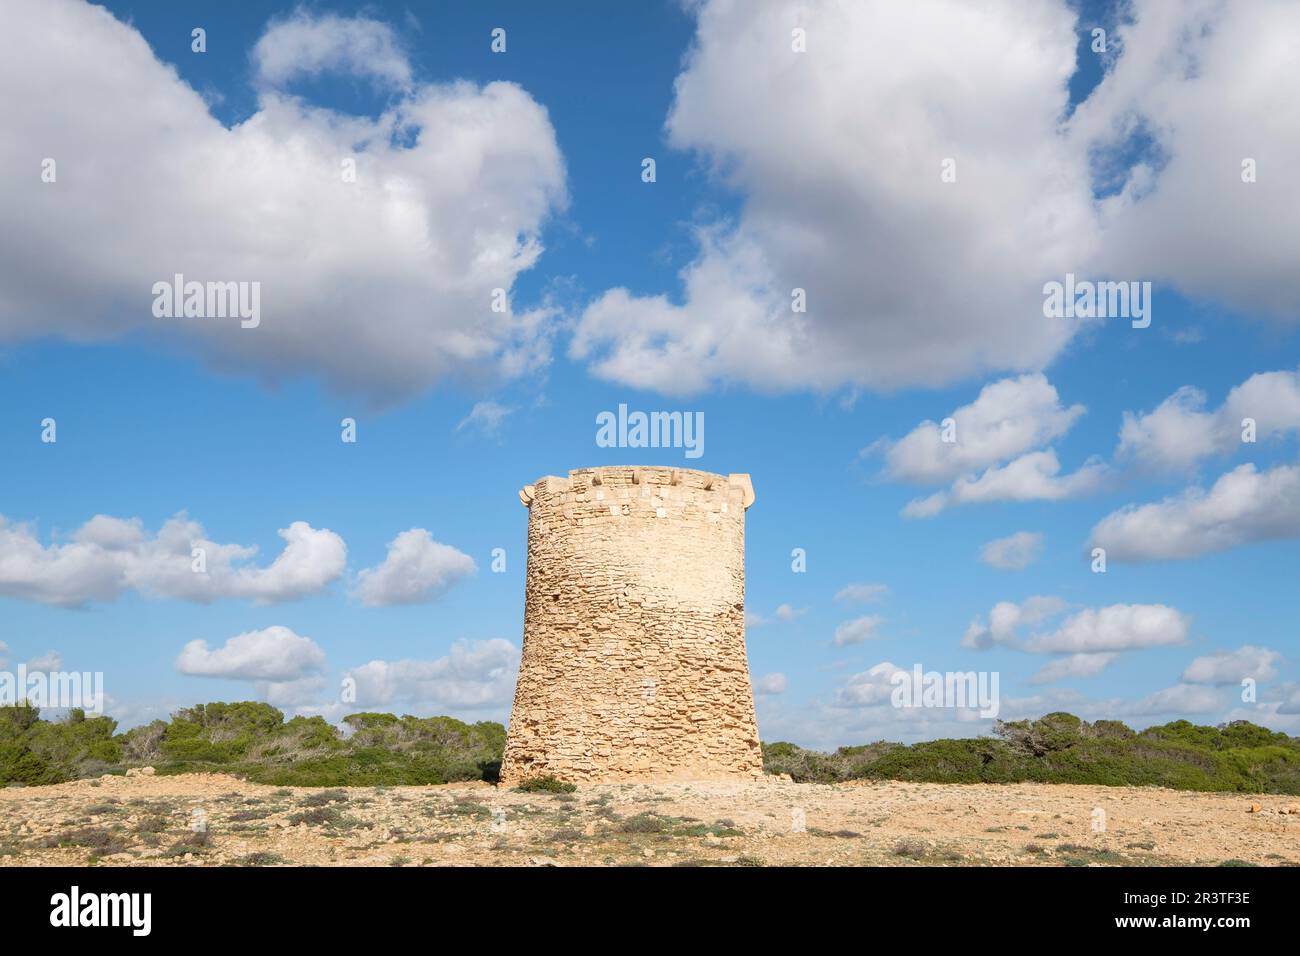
(633, 663)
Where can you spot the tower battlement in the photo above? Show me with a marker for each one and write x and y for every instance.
(627, 482)
(633, 663)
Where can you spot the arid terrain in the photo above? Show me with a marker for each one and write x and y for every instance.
(213, 819)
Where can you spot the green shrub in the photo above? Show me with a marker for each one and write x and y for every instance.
(253, 740)
(545, 785)
(1061, 748)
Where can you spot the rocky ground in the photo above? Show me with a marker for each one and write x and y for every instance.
(206, 820)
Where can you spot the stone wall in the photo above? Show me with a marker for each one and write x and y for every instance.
(633, 664)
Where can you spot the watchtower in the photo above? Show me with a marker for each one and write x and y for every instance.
(633, 663)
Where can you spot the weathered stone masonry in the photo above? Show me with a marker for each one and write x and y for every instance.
(633, 664)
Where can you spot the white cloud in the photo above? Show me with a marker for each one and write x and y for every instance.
(1231, 667)
(1007, 419)
(871, 688)
(1031, 477)
(836, 154)
(1119, 627)
(770, 684)
(912, 281)
(864, 593)
(299, 696)
(486, 416)
(1179, 699)
(108, 556)
(1197, 78)
(863, 709)
(1075, 665)
(1243, 506)
(49, 661)
(989, 455)
(1089, 639)
(859, 629)
(416, 569)
(474, 675)
(1176, 434)
(306, 44)
(787, 612)
(382, 286)
(1007, 617)
(1014, 552)
(273, 654)
(1179, 432)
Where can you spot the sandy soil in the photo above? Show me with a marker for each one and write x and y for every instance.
(201, 820)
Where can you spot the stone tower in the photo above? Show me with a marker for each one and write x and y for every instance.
(633, 664)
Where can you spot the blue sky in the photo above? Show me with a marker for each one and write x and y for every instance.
(919, 300)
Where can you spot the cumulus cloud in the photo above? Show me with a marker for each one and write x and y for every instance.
(1007, 419)
(863, 593)
(108, 556)
(912, 281)
(986, 449)
(859, 629)
(382, 286)
(1179, 699)
(307, 45)
(416, 569)
(787, 612)
(864, 704)
(1231, 667)
(1119, 627)
(274, 654)
(1242, 507)
(770, 684)
(1194, 80)
(49, 661)
(870, 688)
(784, 613)
(1032, 477)
(1180, 432)
(1007, 617)
(474, 675)
(1014, 552)
(1075, 665)
(1087, 641)
(909, 280)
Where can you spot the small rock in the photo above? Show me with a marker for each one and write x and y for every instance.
(1254, 808)
(647, 853)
